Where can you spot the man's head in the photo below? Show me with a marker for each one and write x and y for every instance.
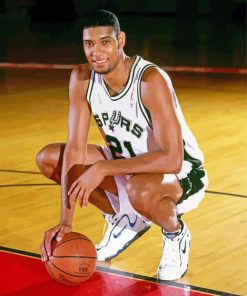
(103, 41)
(102, 18)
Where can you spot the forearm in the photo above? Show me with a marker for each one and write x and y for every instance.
(67, 212)
(72, 169)
(155, 162)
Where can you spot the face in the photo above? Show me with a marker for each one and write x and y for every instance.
(102, 47)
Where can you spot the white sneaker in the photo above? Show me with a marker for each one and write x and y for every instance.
(174, 261)
(122, 231)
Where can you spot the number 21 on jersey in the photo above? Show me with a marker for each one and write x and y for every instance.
(117, 148)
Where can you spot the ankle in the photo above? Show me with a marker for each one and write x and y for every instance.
(175, 226)
(171, 233)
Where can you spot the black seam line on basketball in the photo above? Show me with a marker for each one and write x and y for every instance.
(77, 276)
(48, 265)
(163, 283)
(20, 172)
(74, 256)
(135, 276)
(76, 238)
(51, 273)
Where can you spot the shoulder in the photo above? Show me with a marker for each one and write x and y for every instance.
(79, 80)
(156, 76)
(81, 72)
(156, 88)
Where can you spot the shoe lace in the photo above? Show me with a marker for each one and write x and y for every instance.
(109, 218)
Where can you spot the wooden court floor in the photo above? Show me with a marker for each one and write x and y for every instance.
(33, 112)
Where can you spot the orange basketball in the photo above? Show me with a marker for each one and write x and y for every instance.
(73, 259)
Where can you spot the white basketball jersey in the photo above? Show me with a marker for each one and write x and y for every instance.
(126, 122)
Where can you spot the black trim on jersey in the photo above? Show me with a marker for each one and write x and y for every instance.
(143, 109)
(90, 88)
(192, 183)
(128, 85)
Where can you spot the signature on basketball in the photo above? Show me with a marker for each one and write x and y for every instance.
(62, 278)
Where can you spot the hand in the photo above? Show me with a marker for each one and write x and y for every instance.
(59, 231)
(81, 189)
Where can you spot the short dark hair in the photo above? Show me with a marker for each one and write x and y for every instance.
(102, 18)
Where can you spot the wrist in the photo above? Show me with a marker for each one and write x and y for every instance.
(65, 223)
(101, 168)
(66, 226)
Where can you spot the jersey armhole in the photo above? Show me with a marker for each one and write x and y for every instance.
(90, 88)
(144, 110)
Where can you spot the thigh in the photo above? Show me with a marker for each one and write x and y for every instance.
(54, 158)
(150, 186)
(54, 154)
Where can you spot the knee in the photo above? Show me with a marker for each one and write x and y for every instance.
(42, 158)
(140, 197)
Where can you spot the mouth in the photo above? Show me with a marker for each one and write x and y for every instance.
(99, 63)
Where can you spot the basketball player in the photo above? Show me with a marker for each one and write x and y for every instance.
(151, 169)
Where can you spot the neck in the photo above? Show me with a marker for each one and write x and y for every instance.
(117, 79)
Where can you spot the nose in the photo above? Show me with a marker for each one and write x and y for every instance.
(96, 51)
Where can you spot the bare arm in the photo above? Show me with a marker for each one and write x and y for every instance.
(75, 150)
(74, 155)
(158, 99)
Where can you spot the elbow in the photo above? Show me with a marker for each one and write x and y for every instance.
(177, 166)
(174, 164)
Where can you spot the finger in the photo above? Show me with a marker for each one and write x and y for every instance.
(47, 245)
(85, 199)
(74, 195)
(73, 186)
(71, 198)
(49, 236)
(80, 196)
(60, 234)
(42, 252)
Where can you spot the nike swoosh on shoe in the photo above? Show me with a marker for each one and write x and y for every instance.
(184, 249)
(132, 224)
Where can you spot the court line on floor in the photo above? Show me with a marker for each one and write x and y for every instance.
(225, 193)
(48, 184)
(20, 172)
(133, 275)
(187, 69)
(27, 184)
(54, 184)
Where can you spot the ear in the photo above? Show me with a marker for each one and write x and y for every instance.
(121, 37)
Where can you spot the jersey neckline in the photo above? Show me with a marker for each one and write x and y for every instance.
(127, 86)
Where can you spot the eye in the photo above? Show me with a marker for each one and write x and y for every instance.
(88, 44)
(105, 42)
